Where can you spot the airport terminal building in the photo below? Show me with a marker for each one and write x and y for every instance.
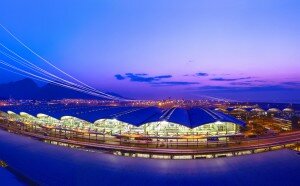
(116, 120)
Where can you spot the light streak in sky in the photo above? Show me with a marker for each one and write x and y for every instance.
(35, 68)
(83, 87)
(28, 74)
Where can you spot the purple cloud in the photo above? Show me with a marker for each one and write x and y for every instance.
(201, 74)
(119, 77)
(229, 79)
(141, 77)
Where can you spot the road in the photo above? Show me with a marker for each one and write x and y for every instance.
(245, 145)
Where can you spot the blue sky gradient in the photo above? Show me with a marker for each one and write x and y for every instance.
(246, 49)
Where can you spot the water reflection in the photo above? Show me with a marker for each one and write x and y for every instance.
(56, 165)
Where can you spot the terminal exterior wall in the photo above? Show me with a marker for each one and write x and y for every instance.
(112, 126)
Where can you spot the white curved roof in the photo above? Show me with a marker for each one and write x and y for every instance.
(273, 110)
(257, 110)
(288, 110)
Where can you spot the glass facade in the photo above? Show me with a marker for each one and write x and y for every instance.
(115, 127)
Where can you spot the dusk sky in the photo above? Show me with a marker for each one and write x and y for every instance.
(243, 50)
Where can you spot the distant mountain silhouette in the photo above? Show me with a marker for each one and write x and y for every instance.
(23, 89)
(28, 89)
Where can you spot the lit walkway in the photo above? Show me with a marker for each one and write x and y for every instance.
(56, 165)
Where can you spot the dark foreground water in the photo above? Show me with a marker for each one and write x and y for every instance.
(54, 165)
(7, 178)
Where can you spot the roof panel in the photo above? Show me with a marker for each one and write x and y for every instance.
(200, 116)
(139, 116)
(179, 116)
